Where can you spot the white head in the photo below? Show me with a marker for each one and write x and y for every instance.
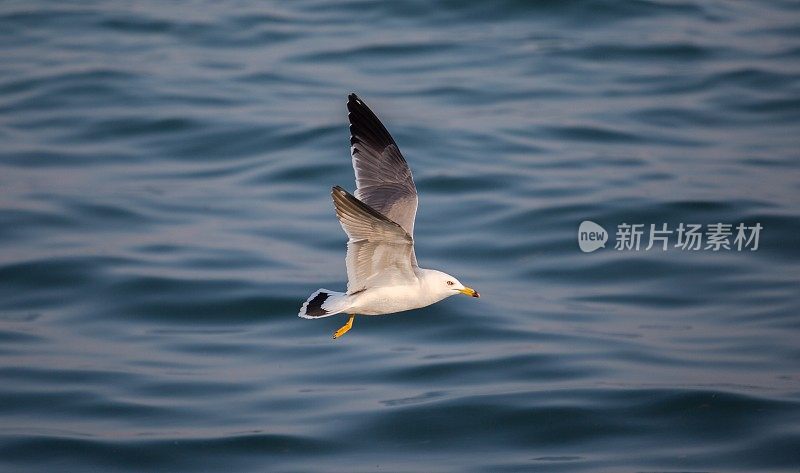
(441, 285)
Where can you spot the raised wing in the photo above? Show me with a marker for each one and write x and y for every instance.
(379, 251)
(383, 179)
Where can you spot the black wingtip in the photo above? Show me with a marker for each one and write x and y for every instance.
(353, 97)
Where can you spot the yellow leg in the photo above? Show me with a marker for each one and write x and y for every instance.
(345, 328)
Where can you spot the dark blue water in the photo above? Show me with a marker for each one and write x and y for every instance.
(165, 170)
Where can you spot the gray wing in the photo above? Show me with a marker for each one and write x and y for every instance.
(383, 179)
(379, 251)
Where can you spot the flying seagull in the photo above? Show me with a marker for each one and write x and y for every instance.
(382, 272)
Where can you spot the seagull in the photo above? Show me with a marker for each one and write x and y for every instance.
(382, 272)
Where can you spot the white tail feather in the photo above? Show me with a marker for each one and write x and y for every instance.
(323, 303)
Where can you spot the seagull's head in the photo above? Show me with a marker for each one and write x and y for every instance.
(447, 285)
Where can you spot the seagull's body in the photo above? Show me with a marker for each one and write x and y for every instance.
(399, 298)
(382, 272)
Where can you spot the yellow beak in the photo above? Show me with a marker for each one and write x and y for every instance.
(469, 292)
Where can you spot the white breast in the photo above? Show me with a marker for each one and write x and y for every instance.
(385, 300)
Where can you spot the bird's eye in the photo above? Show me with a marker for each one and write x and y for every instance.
(449, 283)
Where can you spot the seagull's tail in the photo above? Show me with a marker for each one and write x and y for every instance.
(323, 303)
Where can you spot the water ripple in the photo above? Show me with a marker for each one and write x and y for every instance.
(165, 208)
